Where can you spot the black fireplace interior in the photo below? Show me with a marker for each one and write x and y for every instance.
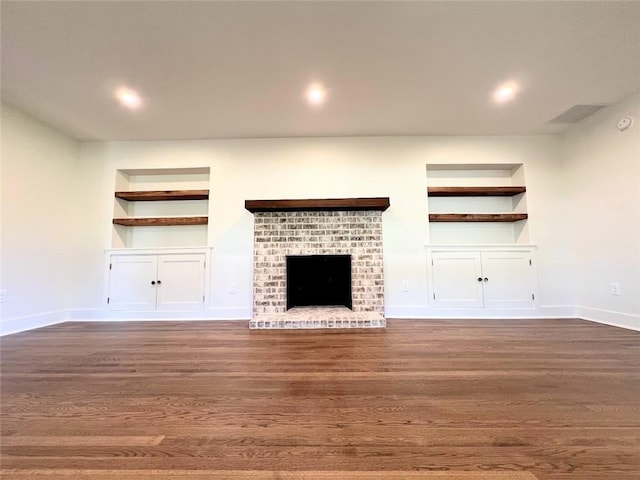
(318, 280)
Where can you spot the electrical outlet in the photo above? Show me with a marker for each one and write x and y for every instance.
(233, 288)
(405, 285)
(3, 296)
(615, 288)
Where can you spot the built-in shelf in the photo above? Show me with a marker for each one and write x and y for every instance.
(477, 217)
(491, 196)
(163, 195)
(475, 191)
(325, 204)
(173, 200)
(160, 221)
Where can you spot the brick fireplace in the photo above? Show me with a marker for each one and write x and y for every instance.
(319, 229)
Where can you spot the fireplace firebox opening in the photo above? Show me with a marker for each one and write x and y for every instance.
(318, 280)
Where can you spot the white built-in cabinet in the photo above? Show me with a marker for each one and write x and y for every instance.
(157, 280)
(159, 258)
(483, 277)
(478, 252)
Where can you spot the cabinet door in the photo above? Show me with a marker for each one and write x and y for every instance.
(509, 280)
(455, 279)
(181, 282)
(130, 278)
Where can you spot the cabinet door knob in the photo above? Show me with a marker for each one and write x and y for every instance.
(153, 282)
(159, 282)
(485, 279)
(479, 279)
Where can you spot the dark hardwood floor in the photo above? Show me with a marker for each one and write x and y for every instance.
(557, 398)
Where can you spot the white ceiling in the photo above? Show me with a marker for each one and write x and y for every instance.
(239, 69)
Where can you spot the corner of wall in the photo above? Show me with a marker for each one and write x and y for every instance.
(602, 174)
(39, 165)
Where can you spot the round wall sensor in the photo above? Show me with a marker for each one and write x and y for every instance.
(625, 123)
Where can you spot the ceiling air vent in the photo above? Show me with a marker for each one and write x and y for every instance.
(576, 113)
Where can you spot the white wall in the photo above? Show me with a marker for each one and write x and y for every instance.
(323, 168)
(582, 194)
(39, 169)
(602, 173)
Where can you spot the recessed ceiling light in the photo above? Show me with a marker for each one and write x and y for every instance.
(128, 98)
(505, 92)
(316, 94)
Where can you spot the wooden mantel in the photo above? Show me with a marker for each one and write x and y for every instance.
(317, 204)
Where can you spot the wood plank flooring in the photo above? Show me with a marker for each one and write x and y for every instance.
(265, 475)
(435, 400)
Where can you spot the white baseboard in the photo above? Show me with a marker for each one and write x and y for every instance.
(428, 312)
(557, 311)
(31, 322)
(608, 317)
(406, 311)
(86, 314)
(231, 313)
(224, 313)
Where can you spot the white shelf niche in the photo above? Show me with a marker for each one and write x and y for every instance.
(477, 175)
(163, 179)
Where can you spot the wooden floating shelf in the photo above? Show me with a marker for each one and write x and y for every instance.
(160, 221)
(475, 191)
(477, 217)
(161, 195)
(326, 204)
